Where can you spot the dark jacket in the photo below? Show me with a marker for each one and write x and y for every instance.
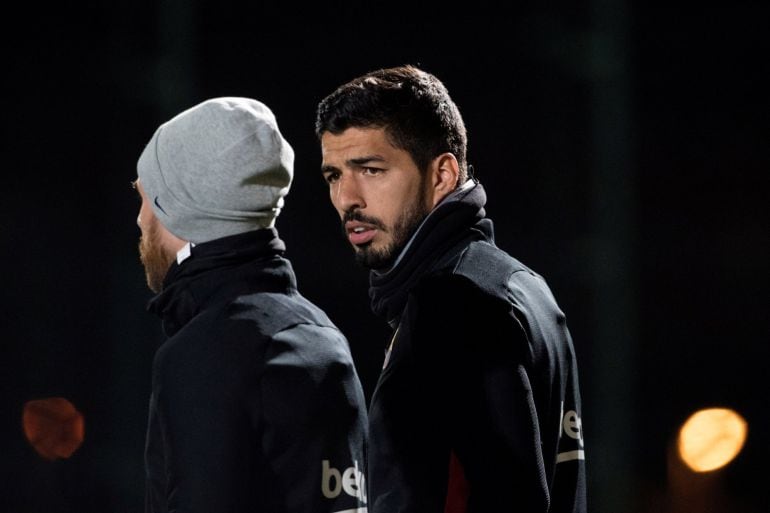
(477, 407)
(256, 405)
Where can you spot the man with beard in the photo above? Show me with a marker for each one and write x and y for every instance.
(256, 404)
(477, 407)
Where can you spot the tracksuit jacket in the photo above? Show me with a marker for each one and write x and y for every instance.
(256, 405)
(477, 408)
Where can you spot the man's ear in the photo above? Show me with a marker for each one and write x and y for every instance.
(444, 173)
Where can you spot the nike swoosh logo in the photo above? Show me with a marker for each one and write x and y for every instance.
(158, 205)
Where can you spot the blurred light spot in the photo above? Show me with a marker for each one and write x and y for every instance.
(712, 438)
(53, 427)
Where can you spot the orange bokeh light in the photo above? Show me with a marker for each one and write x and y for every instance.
(53, 427)
(711, 438)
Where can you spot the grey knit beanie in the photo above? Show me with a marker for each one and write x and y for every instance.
(217, 169)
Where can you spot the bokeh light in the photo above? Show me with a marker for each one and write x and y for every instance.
(711, 438)
(53, 426)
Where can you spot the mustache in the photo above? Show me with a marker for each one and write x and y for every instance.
(356, 215)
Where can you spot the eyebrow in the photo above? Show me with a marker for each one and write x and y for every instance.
(356, 162)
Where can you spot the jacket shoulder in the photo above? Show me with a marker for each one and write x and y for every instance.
(491, 269)
(498, 275)
(290, 323)
(276, 312)
(244, 329)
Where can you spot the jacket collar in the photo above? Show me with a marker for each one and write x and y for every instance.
(456, 221)
(219, 270)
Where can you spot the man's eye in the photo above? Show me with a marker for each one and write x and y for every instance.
(331, 177)
(371, 170)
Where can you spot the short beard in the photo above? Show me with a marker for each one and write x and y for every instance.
(155, 259)
(402, 230)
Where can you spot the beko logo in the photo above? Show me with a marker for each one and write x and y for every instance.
(351, 480)
(571, 425)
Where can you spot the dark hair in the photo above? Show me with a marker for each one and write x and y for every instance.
(412, 106)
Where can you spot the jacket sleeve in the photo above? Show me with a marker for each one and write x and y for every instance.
(313, 415)
(478, 354)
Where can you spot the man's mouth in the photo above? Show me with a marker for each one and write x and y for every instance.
(359, 233)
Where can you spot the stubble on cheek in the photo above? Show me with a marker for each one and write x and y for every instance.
(155, 260)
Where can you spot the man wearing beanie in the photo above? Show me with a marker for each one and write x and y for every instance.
(256, 404)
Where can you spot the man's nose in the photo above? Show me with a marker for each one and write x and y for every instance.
(347, 194)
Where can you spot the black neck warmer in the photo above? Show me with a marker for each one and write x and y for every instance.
(243, 263)
(456, 221)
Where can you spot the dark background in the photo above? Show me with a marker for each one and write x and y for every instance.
(624, 148)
